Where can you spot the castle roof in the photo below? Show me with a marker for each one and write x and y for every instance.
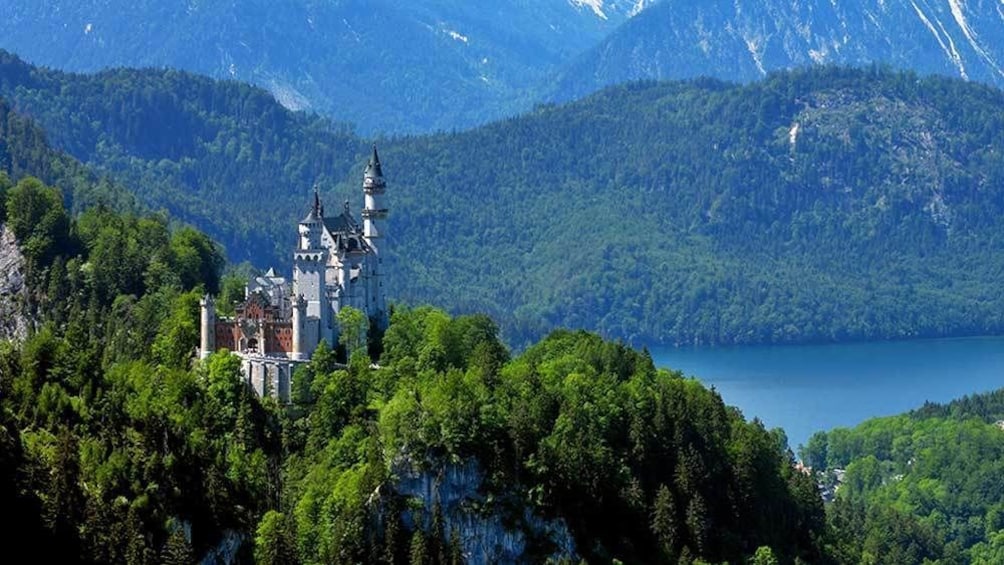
(342, 223)
(310, 218)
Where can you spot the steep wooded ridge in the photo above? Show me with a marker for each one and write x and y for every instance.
(117, 446)
(384, 65)
(743, 40)
(818, 205)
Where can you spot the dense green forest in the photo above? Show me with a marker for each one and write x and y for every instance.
(117, 447)
(927, 486)
(819, 205)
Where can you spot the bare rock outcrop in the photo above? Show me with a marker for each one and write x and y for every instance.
(14, 319)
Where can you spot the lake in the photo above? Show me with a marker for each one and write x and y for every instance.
(806, 388)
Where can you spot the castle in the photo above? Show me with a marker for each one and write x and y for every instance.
(336, 263)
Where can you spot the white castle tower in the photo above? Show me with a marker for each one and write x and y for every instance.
(375, 230)
(310, 261)
(207, 326)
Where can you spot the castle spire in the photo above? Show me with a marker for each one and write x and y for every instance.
(373, 170)
(318, 209)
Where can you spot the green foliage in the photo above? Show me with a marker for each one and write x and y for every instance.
(232, 288)
(196, 259)
(764, 556)
(5, 185)
(178, 336)
(125, 449)
(696, 219)
(575, 428)
(36, 215)
(273, 544)
(353, 326)
(921, 486)
(178, 551)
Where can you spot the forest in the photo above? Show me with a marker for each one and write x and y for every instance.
(820, 205)
(926, 486)
(116, 446)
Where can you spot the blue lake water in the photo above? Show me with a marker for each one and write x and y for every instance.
(806, 388)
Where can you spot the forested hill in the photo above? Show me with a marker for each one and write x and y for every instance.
(828, 204)
(25, 150)
(118, 446)
(919, 487)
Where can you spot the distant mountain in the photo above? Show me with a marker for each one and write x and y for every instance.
(415, 67)
(743, 40)
(818, 205)
(387, 66)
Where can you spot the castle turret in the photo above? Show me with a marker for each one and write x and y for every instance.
(310, 260)
(207, 327)
(300, 349)
(375, 232)
(374, 212)
(311, 226)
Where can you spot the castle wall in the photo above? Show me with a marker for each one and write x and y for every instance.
(227, 335)
(269, 376)
(279, 337)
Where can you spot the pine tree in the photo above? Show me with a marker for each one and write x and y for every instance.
(665, 525)
(419, 549)
(273, 543)
(456, 548)
(65, 501)
(177, 550)
(437, 549)
(697, 523)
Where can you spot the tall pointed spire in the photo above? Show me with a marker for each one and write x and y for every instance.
(317, 201)
(373, 170)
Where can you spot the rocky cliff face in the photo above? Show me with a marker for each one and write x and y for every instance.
(742, 40)
(489, 531)
(14, 320)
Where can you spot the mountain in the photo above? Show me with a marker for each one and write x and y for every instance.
(429, 65)
(819, 205)
(745, 39)
(386, 66)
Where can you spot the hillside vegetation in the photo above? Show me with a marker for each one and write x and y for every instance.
(919, 487)
(117, 447)
(820, 205)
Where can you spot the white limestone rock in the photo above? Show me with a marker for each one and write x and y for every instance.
(14, 319)
(487, 531)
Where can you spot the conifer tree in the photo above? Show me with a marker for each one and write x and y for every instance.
(664, 522)
(419, 554)
(177, 550)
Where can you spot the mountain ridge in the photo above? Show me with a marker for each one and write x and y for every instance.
(743, 41)
(386, 66)
(821, 205)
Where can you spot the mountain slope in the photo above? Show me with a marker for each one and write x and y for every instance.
(743, 40)
(823, 205)
(384, 65)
